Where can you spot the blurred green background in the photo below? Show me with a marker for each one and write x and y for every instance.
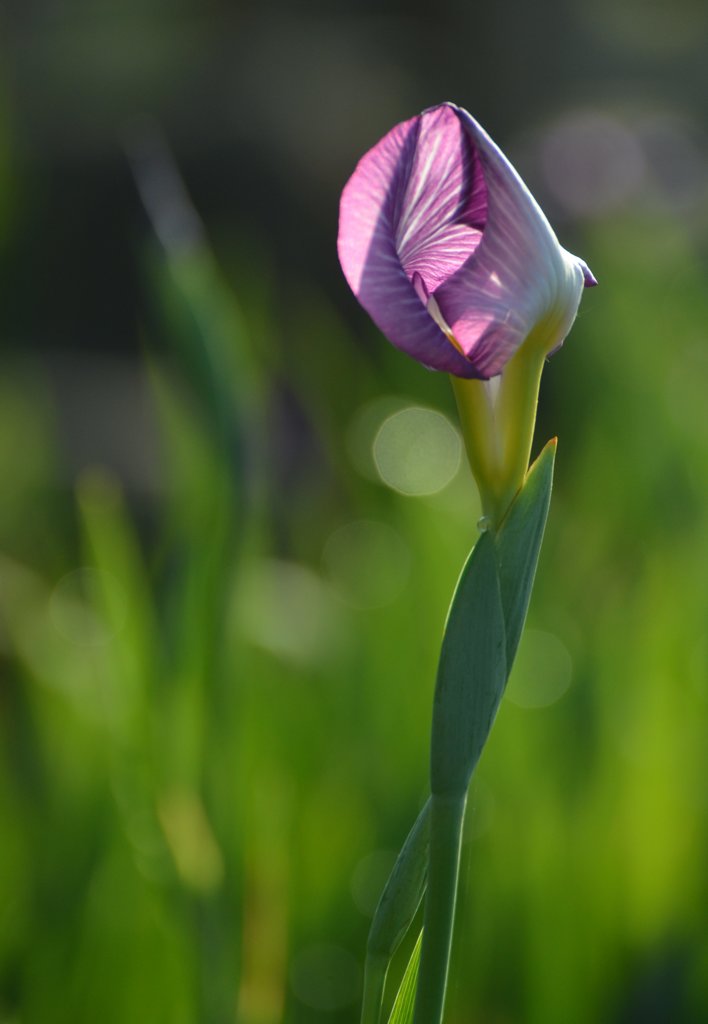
(232, 517)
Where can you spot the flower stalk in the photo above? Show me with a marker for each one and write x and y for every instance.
(447, 819)
(375, 971)
(497, 418)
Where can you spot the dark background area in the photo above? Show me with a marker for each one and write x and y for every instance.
(268, 106)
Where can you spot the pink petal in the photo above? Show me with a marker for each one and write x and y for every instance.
(408, 213)
(511, 281)
(448, 251)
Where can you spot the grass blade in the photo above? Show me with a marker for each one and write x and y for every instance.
(402, 1012)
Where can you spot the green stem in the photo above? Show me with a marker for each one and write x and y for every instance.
(374, 983)
(447, 817)
(497, 420)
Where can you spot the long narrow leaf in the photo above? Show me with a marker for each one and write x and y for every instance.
(482, 634)
(472, 672)
(519, 544)
(403, 891)
(404, 1004)
(395, 912)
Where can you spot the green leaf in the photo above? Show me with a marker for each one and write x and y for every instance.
(403, 891)
(519, 544)
(471, 674)
(402, 1012)
(395, 912)
(483, 630)
(118, 593)
(482, 634)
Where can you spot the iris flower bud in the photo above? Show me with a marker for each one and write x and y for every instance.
(452, 257)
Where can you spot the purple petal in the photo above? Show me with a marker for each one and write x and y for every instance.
(448, 251)
(588, 277)
(495, 299)
(441, 212)
(410, 216)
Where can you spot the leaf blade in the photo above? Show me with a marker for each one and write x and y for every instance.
(404, 1003)
(471, 673)
(518, 546)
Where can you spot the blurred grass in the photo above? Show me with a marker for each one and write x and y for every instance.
(209, 725)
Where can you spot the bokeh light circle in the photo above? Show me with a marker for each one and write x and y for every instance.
(542, 672)
(417, 451)
(592, 163)
(367, 562)
(287, 609)
(369, 878)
